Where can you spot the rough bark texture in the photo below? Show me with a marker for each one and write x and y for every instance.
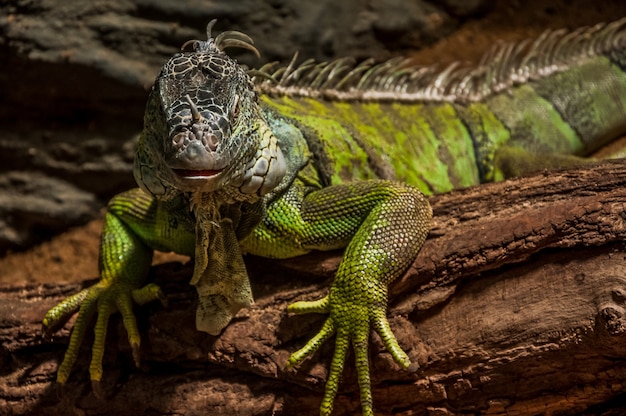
(516, 306)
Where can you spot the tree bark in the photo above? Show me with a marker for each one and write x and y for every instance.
(516, 306)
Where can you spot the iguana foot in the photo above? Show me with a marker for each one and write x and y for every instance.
(351, 323)
(103, 298)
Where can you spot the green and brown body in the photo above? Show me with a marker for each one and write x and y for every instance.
(327, 156)
(439, 146)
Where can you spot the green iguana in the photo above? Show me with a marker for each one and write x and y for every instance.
(319, 156)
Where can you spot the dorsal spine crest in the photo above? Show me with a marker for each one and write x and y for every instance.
(503, 67)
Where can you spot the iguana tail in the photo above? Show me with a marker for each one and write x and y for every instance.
(561, 99)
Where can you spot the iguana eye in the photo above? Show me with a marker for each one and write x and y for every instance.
(234, 112)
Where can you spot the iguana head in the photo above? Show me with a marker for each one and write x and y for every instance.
(203, 127)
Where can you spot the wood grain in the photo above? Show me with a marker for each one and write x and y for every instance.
(516, 306)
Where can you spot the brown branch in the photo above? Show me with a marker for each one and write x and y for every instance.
(515, 306)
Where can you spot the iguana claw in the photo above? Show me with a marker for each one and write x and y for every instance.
(104, 299)
(351, 324)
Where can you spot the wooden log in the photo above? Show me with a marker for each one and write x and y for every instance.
(516, 306)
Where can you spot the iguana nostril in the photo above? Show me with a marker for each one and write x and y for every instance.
(211, 141)
(181, 139)
(178, 139)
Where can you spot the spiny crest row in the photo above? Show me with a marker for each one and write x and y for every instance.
(504, 66)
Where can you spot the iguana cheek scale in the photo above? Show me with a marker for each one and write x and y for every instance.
(320, 156)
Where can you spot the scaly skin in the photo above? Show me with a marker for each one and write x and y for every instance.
(135, 225)
(383, 224)
(228, 166)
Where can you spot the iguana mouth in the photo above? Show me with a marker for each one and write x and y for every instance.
(196, 174)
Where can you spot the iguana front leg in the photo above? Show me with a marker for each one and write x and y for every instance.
(383, 225)
(135, 224)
